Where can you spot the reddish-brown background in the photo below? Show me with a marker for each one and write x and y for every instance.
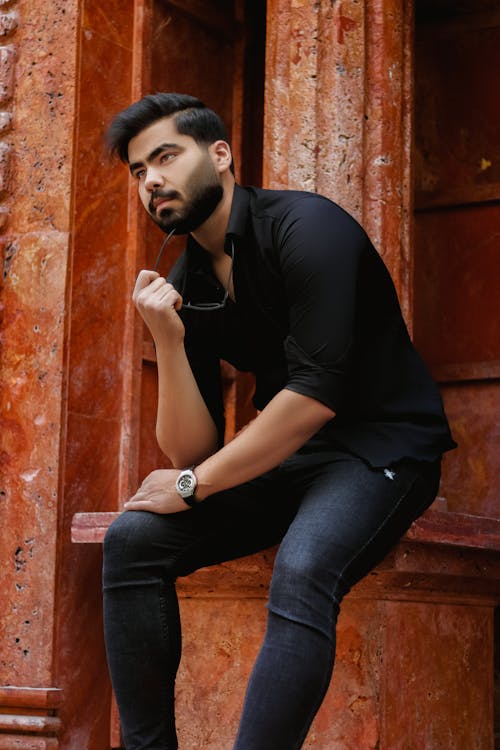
(390, 110)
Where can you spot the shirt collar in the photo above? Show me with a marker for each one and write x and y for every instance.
(238, 215)
(236, 226)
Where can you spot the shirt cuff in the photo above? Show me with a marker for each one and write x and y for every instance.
(324, 382)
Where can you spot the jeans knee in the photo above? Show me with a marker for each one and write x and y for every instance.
(300, 570)
(128, 542)
(123, 535)
(305, 590)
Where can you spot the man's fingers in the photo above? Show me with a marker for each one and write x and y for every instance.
(168, 295)
(147, 290)
(157, 290)
(143, 280)
(138, 505)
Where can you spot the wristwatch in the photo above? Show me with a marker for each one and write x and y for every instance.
(185, 485)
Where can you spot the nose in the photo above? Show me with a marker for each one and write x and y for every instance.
(154, 179)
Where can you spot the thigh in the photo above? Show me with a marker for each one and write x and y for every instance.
(227, 525)
(349, 517)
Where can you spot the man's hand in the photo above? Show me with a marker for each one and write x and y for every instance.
(157, 494)
(158, 302)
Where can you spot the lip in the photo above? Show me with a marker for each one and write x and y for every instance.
(161, 203)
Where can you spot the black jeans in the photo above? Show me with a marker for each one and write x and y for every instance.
(336, 518)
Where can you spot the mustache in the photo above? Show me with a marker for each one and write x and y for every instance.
(157, 194)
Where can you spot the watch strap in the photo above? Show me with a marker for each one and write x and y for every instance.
(191, 501)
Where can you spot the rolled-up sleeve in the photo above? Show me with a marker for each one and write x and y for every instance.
(320, 249)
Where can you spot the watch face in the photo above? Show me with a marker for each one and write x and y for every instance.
(186, 483)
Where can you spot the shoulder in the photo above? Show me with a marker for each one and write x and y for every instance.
(296, 210)
(275, 203)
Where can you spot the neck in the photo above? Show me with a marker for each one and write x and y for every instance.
(212, 233)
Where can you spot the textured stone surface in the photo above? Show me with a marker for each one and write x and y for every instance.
(37, 91)
(33, 327)
(470, 474)
(341, 73)
(415, 638)
(99, 363)
(214, 673)
(430, 692)
(50, 590)
(7, 64)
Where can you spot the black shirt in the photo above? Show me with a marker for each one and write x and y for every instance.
(317, 313)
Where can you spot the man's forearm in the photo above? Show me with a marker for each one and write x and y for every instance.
(287, 422)
(185, 430)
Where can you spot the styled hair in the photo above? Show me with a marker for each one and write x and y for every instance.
(192, 118)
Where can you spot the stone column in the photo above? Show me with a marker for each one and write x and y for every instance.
(68, 263)
(338, 114)
(38, 57)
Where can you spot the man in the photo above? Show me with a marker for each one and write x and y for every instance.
(343, 455)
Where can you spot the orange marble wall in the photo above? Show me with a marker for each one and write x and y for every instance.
(457, 222)
(437, 684)
(39, 95)
(414, 653)
(65, 68)
(214, 673)
(38, 58)
(70, 358)
(348, 131)
(99, 362)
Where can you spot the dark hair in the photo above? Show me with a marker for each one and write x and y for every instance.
(193, 118)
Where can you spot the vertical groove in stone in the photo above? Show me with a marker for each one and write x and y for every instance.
(341, 103)
(277, 91)
(388, 190)
(338, 114)
(8, 26)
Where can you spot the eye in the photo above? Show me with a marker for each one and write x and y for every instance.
(167, 156)
(139, 174)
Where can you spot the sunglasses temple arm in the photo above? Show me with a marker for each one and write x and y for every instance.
(162, 248)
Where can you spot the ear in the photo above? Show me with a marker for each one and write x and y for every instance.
(221, 154)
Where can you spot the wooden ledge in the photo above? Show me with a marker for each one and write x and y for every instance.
(46, 698)
(435, 526)
(87, 528)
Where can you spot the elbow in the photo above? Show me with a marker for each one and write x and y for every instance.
(171, 452)
(182, 456)
(325, 412)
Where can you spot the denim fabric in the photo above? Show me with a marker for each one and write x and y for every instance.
(335, 517)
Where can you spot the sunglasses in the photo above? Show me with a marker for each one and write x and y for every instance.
(201, 306)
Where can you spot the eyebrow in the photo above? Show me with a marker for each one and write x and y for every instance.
(152, 156)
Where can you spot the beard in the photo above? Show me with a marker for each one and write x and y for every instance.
(204, 193)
